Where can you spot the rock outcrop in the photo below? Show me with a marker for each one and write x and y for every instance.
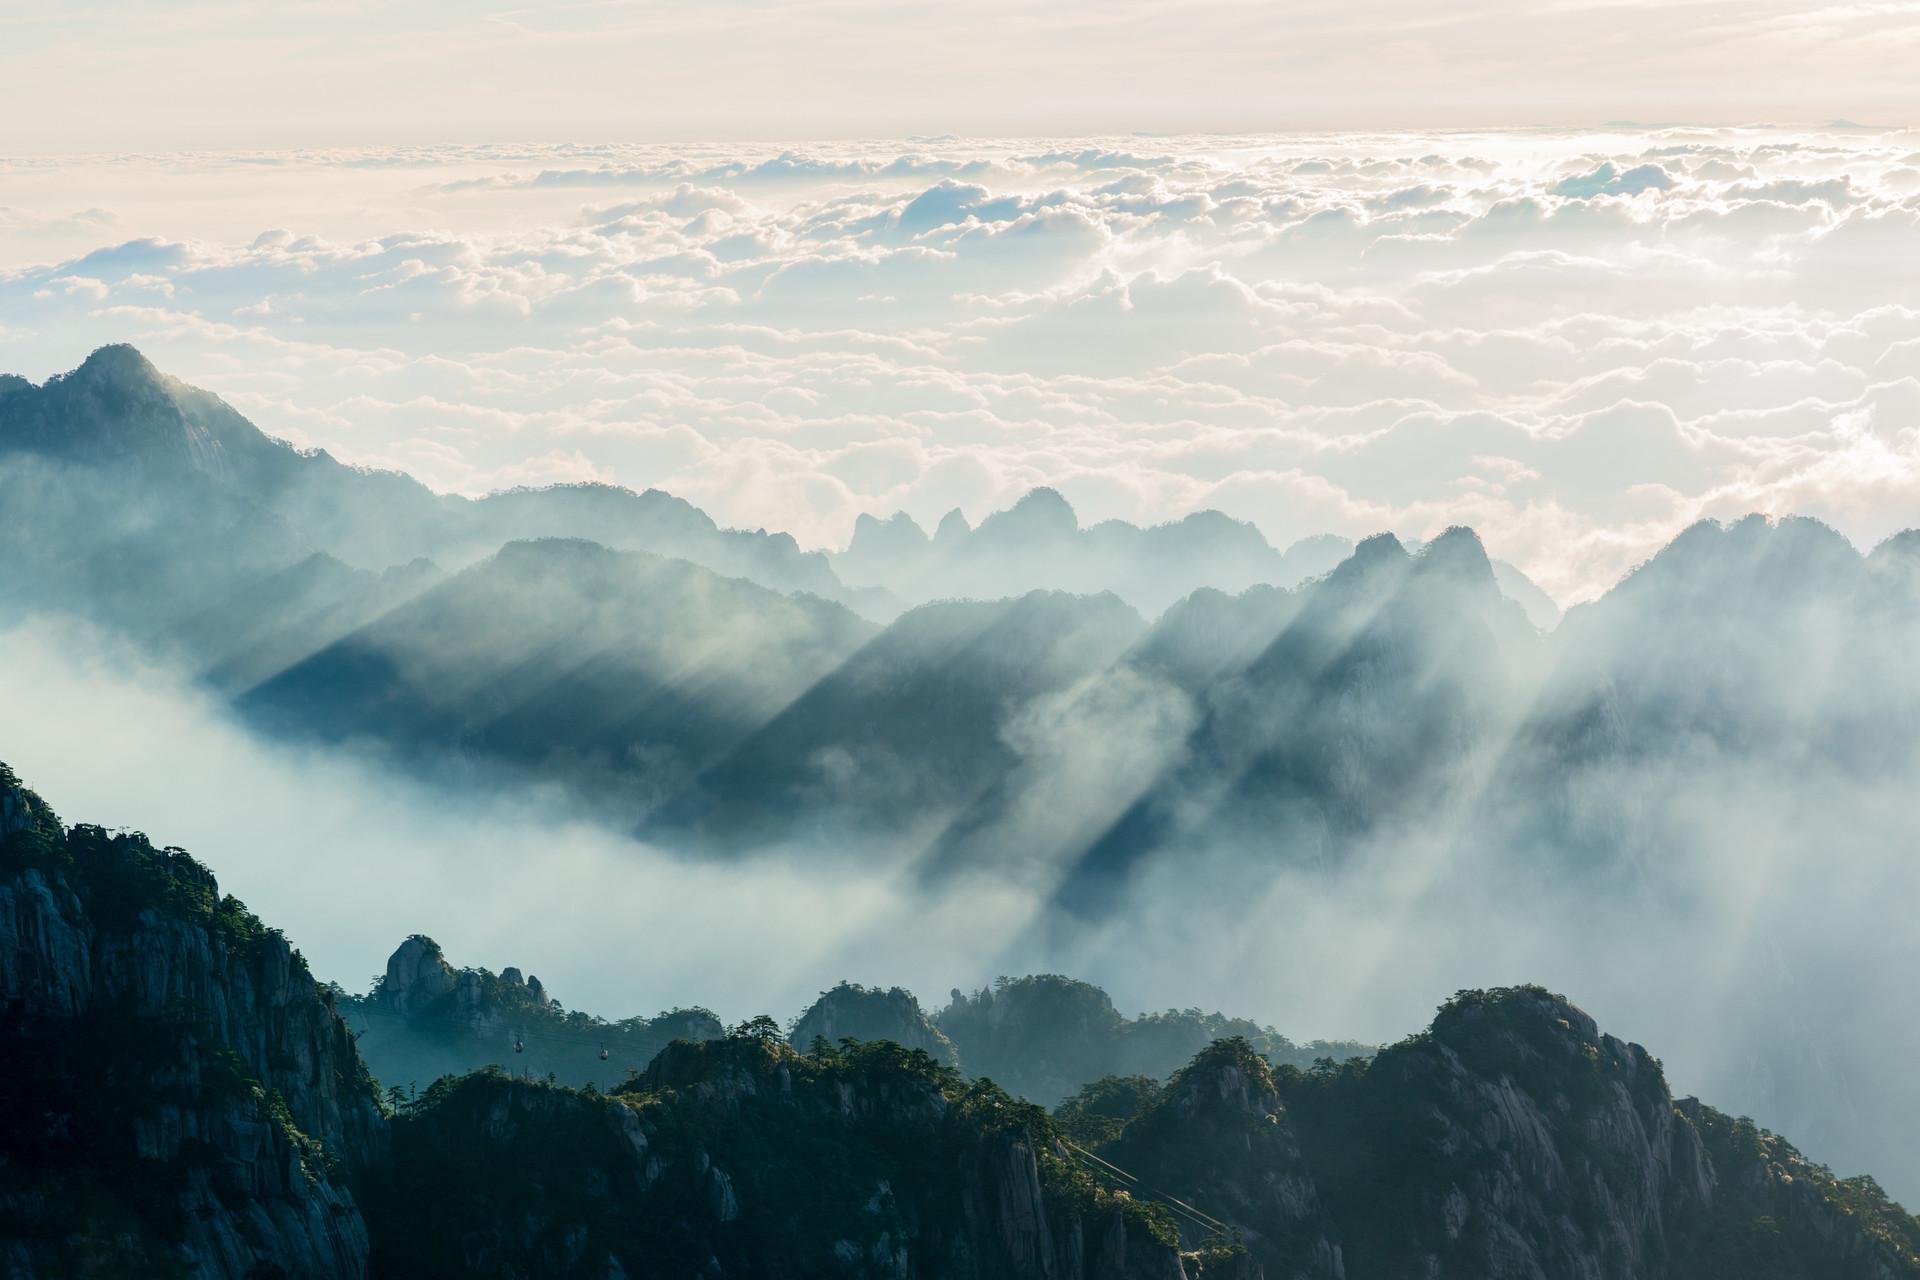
(417, 977)
(425, 1019)
(179, 1096)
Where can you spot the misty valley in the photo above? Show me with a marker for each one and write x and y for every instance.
(1294, 798)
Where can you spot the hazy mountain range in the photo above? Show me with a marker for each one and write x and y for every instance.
(1043, 1036)
(1164, 745)
(664, 681)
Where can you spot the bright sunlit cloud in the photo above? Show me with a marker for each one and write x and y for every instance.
(1576, 342)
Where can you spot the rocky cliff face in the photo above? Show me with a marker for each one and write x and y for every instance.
(179, 1097)
(1775, 1215)
(744, 1157)
(426, 1019)
(1511, 1140)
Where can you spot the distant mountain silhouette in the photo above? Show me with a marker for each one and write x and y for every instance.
(1694, 644)
(163, 441)
(1359, 707)
(1038, 544)
(716, 687)
(621, 672)
(908, 730)
(273, 622)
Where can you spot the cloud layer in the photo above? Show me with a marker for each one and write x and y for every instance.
(1577, 343)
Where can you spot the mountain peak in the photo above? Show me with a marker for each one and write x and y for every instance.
(1376, 562)
(872, 1013)
(1903, 546)
(117, 378)
(1792, 552)
(1044, 503)
(116, 407)
(1457, 554)
(896, 535)
(1378, 551)
(119, 363)
(1042, 514)
(953, 529)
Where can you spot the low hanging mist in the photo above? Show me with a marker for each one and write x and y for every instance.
(591, 734)
(350, 860)
(1766, 952)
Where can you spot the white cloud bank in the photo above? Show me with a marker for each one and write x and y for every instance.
(1576, 343)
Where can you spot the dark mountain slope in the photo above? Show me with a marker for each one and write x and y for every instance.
(1386, 681)
(92, 542)
(618, 672)
(1093, 753)
(282, 618)
(1210, 635)
(116, 408)
(163, 444)
(1512, 1139)
(1752, 637)
(907, 731)
(744, 1157)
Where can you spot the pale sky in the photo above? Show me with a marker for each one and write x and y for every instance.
(114, 75)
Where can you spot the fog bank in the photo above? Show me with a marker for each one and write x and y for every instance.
(1765, 953)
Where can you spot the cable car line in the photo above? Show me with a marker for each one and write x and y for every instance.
(599, 1039)
(1178, 1205)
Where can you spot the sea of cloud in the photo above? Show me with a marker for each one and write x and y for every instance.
(1764, 949)
(1575, 342)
